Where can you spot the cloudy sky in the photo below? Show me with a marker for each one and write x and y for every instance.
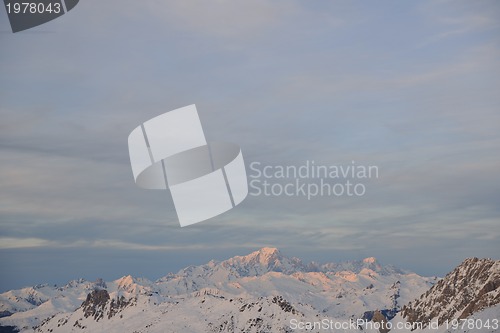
(411, 87)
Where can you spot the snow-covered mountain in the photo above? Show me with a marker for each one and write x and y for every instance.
(264, 291)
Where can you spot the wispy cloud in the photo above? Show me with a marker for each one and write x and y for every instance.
(15, 243)
(464, 18)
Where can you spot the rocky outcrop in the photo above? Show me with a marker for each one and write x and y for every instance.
(471, 287)
(95, 304)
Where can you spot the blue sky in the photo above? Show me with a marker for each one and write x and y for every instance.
(411, 87)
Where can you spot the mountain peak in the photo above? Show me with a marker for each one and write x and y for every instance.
(370, 260)
(266, 259)
(264, 256)
(125, 281)
(268, 252)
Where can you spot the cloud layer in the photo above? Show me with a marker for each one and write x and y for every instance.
(409, 87)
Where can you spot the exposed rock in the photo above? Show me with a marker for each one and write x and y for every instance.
(95, 304)
(471, 287)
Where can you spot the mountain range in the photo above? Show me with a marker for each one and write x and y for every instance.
(264, 291)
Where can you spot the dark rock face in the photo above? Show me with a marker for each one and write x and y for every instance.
(284, 304)
(8, 329)
(5, 314)
(117, 305)
(95, 304)
(469, 288)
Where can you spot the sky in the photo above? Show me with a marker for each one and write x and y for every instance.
(410, 87)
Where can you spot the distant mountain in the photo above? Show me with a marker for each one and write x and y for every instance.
(263, 291)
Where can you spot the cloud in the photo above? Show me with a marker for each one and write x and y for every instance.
(460, 19)
(14, 243)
